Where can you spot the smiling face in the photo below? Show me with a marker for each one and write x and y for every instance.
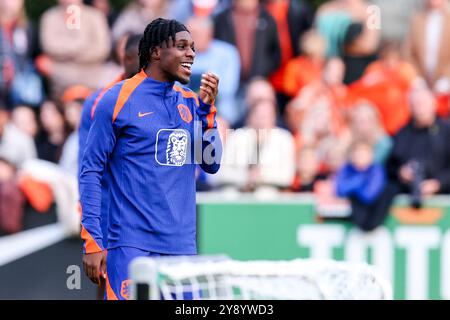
(176, 59)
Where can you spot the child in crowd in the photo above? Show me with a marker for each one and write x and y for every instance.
(308, 170)
(363, 181)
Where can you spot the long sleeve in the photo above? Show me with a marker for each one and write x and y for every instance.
(99, 145)
(374, 184)
(85, 125)
(211, 142)
(348, 182)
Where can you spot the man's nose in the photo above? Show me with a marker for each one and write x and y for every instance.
(190, 53)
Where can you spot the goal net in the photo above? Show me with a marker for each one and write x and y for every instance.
(221, 278)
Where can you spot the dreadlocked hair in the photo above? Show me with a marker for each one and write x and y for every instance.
(156, 32)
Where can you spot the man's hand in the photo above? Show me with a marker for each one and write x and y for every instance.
(209, 87)
(430, 187)
(44, 65)
(406, 173)
(94, 265)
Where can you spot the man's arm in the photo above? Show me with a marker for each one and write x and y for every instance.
(206, 111)
(99, 145)
(347, 183)
(85, 125)
(372, 187)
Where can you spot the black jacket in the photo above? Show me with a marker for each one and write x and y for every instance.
(300, 19)
(267, 52)
(428, 146)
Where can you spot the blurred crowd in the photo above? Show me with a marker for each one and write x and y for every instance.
(350, 98)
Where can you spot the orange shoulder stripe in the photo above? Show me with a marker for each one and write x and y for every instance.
(127, 89)
(187, 94)
(210, 116)
(101, 94)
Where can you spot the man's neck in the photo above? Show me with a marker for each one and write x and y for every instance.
(155, 74)
(425, 124)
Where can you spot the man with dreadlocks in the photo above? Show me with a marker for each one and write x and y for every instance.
(144, 134)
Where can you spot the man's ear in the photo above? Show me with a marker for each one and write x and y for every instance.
(155, 53)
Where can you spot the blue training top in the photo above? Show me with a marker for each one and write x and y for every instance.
(144, 134)
(87, 116)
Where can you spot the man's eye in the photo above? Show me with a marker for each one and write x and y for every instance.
(180, 46)
(193, 49)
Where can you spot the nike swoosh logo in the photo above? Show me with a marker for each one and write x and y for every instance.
(140, 115)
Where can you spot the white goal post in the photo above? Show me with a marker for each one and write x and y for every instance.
(221, 278)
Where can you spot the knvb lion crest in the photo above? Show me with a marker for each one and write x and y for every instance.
(172, 147)
(176, 148)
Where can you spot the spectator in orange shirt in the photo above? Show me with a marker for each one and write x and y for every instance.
(329, 92)
(386, 84)
(307, 67)
(293, 19)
